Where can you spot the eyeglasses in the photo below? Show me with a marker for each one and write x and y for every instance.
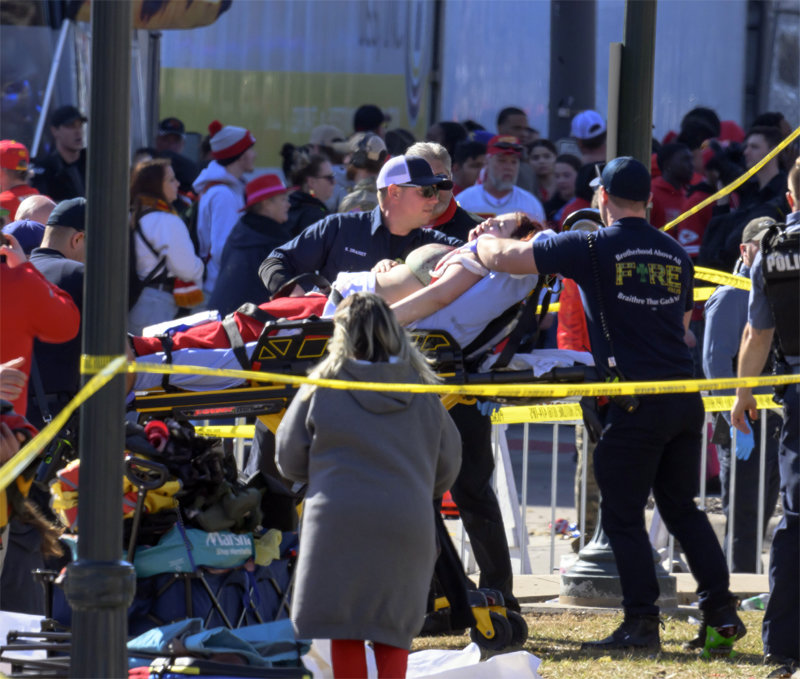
(424, 191)
(331, 178)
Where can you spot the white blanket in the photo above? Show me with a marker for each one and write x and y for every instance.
(541, 360)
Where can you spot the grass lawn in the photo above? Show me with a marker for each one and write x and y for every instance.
(555, 638)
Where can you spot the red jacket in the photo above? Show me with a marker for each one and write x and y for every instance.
(11, 198)
(32, 307)
(573, 332)
(668, 202)
(577, 203)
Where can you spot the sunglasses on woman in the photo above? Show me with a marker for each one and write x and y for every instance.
(331, 178)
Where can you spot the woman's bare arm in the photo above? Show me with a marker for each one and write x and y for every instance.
(396, 283)
(455, 281)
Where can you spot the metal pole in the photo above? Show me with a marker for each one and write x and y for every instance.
(731, 499)
(572, 71)
(523, 528)
(762, 472)
(100, 586)
(553, 489)
(614, 77)
(51, 84)
(154, 81)
(703, 463)
(584, 481)
(635, 131)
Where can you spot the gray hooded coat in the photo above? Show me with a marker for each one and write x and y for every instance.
(373, 461)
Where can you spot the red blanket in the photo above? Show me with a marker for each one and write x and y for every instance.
(213, 335)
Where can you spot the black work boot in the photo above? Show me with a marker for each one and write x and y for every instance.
(723, 618)
(636, 631)
(786, 667)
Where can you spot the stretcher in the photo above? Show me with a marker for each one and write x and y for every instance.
(292, 346)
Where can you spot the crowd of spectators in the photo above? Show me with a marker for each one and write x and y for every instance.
(218, 235)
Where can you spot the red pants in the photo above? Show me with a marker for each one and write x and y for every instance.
(349, 660)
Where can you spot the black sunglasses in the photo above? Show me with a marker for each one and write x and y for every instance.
(331, 178)
(424, 191)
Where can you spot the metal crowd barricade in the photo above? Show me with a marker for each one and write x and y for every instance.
(520, 532)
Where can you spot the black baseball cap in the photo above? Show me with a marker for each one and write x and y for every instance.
(171, 126)
(66, 114)
(368, 118)
(413, 171)
(69, 213)
(624, 177)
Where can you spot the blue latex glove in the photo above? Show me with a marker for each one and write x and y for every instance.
(744, 443)
(488, 407)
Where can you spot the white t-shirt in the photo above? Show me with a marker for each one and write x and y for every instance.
(476, 199)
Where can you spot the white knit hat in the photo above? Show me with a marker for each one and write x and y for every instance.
(229, 141)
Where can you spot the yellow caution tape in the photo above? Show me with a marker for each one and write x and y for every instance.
(239, 431)
(571, 412)
(702, 294)
(736, 183)
(551, 412)
(111, 366)
(537, 390)
(722, 278)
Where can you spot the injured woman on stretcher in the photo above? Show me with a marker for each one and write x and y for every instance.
(437, 288)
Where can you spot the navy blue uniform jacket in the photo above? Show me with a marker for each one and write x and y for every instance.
(351, 241)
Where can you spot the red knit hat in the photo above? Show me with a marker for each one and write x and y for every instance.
(263, 187)
(229, 141)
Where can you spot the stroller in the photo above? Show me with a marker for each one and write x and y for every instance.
(197, 538)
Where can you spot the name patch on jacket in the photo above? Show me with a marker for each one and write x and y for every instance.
(353, 251)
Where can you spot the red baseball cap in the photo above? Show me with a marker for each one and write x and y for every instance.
(13, 155)
(504, 144)
(263, 187)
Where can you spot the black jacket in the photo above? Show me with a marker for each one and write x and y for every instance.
(720, 247)
(185, 169)
(251, 240)
(352, 241)
(59, 364)
(304, 210)
(460, 224)
(61, 181)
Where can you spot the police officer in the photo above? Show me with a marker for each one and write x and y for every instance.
(636, 284)
(773, 309)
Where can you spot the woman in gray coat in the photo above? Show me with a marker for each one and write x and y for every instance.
(373, 462)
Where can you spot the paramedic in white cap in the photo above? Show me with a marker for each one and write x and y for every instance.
(221, 190)
(358, 241)
(589, 130)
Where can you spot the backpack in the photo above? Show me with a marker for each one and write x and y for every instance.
(137, 285)
(191, 216)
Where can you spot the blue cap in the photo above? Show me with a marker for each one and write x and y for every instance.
(27, 232)
(624, 177)
(482, 136)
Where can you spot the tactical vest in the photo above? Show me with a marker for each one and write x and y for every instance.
(780, 262)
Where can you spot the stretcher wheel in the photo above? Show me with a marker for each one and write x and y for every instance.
(502, 634)
(519, 628)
